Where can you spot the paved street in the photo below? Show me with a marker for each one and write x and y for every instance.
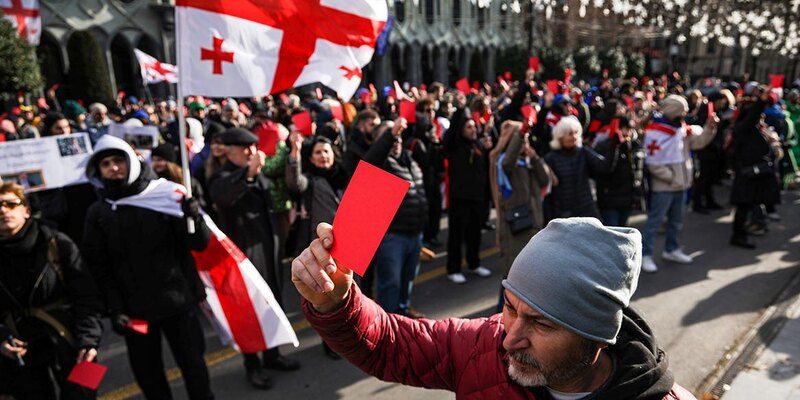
(698, 312)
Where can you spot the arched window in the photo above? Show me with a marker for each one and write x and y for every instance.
(481, 17)
(430, 11)
(456, 12)
(399, 10)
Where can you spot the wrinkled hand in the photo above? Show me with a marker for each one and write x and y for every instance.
(400, 125)
(87, 355)
(316, 275)
(296, 141)
(191, 207)
(120, 323)
(13, 348)
(256, 163)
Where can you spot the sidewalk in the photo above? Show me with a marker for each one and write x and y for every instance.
(775, 374)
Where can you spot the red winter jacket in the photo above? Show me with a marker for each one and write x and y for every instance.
(466, 356)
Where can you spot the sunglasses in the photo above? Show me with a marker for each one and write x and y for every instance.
(10, 204)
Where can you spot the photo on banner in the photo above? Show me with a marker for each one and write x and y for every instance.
(45, 163)
(143, 139)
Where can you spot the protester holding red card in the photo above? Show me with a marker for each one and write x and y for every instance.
(27, 282)
(620, 191)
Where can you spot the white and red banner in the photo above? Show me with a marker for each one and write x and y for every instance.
(239, 303)
(24, 15)
(244, 48)
(154, 71)
(663, 143)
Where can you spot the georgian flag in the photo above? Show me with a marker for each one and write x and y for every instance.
(154, 71)
(663, 143)
(239, 303)
(244, 48)
(24, 15)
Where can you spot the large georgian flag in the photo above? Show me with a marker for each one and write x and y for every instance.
(24, 15)
(244, 48)
(240, 304)
(663, 143)
(154, 71)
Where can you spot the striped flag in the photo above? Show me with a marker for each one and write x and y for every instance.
(239, 302)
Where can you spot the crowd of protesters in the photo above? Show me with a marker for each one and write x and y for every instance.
(530, 151)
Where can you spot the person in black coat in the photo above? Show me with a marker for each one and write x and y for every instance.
(467, 171)
(240, 192)
(142, 262)
(49, 305)
(755, 177)
(425, 143)
(397, 257)
(573, 166)
(620, 191)
(712, 157)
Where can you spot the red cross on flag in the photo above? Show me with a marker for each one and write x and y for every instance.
(24, 15)
(244, 48)
(154, 71)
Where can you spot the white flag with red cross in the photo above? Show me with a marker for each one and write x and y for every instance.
(663, 142)
(24, 15)
(244, 48)
(239, 303)
(154, 71)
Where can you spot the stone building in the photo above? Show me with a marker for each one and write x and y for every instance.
(431, 39)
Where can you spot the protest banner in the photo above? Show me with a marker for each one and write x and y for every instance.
(45, 163)
(143, 139)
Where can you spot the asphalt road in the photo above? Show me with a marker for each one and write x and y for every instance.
(698, 312)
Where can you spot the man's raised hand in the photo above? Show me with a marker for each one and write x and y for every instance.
(316, 275)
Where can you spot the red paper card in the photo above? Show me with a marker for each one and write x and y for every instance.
(528, 114)
(337, 113)
(302, 123)
(88, 375)
(552, 86)
(367, 208)
(710, 111)
(533, 63)
(408, 111)
(463, 86)
(567, 75)
(595, 126)
(139, 326)
(776, 81)
(507, 75)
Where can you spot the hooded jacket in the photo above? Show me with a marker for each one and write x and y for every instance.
(140, 258)
(466, 356)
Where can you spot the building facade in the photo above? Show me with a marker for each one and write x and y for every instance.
(432, 40)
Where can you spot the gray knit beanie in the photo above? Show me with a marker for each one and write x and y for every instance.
(579, 274)
(672, 106)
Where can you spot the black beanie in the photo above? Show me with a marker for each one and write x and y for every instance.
(166, 151)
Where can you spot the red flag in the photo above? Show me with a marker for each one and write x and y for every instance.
(533, 63)
(154, 71)
(302, 123)
(463, 86)
(25, 17)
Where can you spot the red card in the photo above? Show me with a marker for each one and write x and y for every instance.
(337, 113)
(88, 375)
(613, 129)
(776, 81)
(710, 111)
(595, 126)
(528, 114)
(533, 63)
(507, 75)
(366, 98)
(139, 326)
(367, 208)
(552, 86)
(567, 75)
(463, 86)
(302, 123)
(408, 111)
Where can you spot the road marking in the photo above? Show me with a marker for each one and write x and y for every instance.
(226, 354)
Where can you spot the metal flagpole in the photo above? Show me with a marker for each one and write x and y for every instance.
(187, 178)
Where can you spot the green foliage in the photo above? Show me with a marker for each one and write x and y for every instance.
(88, 72)
(636, 65)
(514, 60)
(553, 62)
(18, 68)
(613, 59)
(587, 63)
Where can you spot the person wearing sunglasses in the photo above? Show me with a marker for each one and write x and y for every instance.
(49, 305)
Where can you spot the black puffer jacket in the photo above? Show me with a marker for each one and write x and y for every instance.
(32, 278)
(467, 162)
(141, 259)
(412, 215)
(750, 148)
(572, 195)
(622, 188)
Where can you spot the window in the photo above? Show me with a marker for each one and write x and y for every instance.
(457, 12)
(429, 11)
(399, 10)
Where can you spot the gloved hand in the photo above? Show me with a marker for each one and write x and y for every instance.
(191, 208)
(120, 323)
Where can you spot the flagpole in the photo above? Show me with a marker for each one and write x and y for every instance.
(187, 177)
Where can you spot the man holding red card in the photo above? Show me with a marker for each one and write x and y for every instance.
(49, 305)
(541, 346)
